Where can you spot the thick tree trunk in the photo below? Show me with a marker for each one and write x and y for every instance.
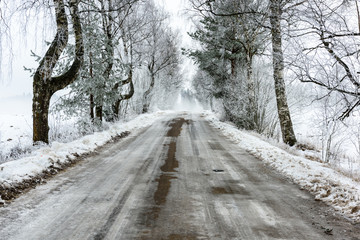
(44, 85)
(40, 106)
(278, 65)
(116, 105)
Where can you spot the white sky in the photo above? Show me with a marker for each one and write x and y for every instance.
(19, 81)
(17, 45)
(180, 22)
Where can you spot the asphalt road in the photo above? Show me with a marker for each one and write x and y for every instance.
(178, 179)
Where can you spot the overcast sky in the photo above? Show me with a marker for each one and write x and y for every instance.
(19, 82)
(180, 20)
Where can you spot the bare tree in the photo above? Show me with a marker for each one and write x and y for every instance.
(106, 68)
(44, 84)
(115, 48)
(162, 52)
(134, 32)
(113, 17)
(331, 59)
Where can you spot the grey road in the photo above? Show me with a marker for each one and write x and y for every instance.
(178, 179)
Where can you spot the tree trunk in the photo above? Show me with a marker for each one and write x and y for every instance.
(147, 93)
(278, 65)
(109, 49)
(233, 63)
(44, 85)
(116, 109)
(40, 106)
(116, 105)
(251, 108)
(99, 113)
(92, 105)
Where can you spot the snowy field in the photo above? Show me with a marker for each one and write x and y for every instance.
(15, 127)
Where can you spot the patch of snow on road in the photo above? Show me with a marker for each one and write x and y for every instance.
(59, 153)
(325, 183)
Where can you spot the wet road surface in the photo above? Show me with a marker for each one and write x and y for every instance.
(178, 179)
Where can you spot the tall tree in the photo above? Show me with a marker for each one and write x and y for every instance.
(107, 67)
(44, 84)
(251, 16)
(276, 11)
(233, 33)
(161, 50)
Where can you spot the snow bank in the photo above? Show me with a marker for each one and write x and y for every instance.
(328, 185)
(17, 171)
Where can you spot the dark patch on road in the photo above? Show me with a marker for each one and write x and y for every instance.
(221, 190)
(164, 184)
(216, 146)
(229, 190)
(182, 237)
(167, 173)
(170, 163)
(176, 125)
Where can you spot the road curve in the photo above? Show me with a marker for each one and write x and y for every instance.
(178, 179)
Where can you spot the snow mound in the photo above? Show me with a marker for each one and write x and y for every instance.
(326, 184)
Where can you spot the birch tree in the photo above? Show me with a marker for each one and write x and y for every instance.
(276, 11)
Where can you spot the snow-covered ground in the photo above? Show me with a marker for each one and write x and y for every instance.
(57, 154)
(15, 135)
(15, 127)
(327, 184)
